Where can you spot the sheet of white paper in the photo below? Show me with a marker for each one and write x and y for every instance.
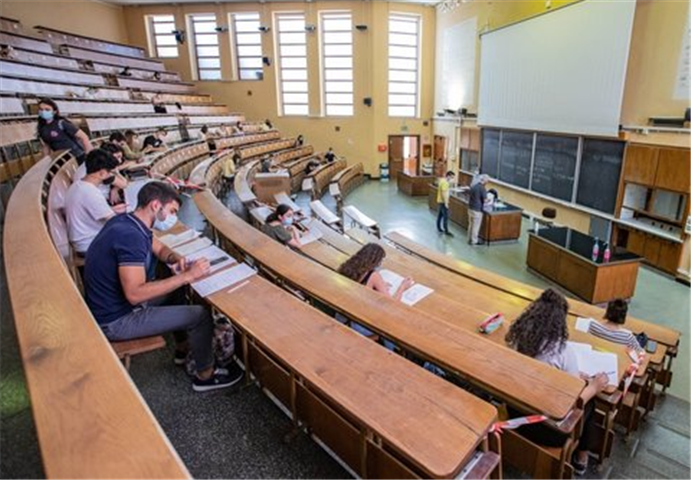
(334, 189)
(307, 184)
(580, 348)
(223, 279)
(310, 236)
(190, 248)
(415, 293)
(583, 324)
(393, 279)
(212, 253)
(172, 240)
(592, 363)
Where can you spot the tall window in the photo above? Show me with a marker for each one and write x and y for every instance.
(292, 56)
(404, 59)
(337, 62)
(248, 45)
(206, 51)
(163, 44)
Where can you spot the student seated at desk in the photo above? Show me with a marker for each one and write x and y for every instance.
(208, 137)
(363, 268)
(312, 165)
(132, 147)
(279, 226)
(541, 332)
(237, 129)
(128, 305)
(267, 126)
(224, 131)
(112, 189)
(119, 140)
(613, 329)
(330, 156)
(155, 142)
(267, 165)
(86, 209)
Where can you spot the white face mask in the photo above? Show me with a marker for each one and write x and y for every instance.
(165, 224)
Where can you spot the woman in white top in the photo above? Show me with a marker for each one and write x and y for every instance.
(541, 332)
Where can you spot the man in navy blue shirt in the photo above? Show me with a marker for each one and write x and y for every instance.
(127, 305)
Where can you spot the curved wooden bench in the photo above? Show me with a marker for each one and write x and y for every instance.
(534, 387)
(90, 419)
(243, 182)
(321, 177)
(240, 140)
(21, 40)
(345, 182)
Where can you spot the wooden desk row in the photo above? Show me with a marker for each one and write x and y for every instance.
(378, 415)
(534, 387)
(458, 300)
(321, 177)
(268, 147)
(660, 333)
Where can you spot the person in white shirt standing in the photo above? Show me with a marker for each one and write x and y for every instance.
(86, 208)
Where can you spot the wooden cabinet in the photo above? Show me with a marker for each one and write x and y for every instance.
(658, 252)
(474, 139)
(673, 170)
(641, 164)
(636, 242)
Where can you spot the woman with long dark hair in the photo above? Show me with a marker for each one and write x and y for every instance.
(57, 133)
(541, 332)
(363, 267)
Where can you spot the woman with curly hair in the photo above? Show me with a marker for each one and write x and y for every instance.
(363, 268)
(541, 332)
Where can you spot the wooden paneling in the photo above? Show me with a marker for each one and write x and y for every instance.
(673, 170)
(636, 242)
(651, 251)
(669, 257)
(614, 281)
(415, 186)
(543, 257)
(641, 164)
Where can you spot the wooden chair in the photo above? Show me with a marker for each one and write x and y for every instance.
(125, 350)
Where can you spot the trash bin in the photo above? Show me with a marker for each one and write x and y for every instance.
(383, 172)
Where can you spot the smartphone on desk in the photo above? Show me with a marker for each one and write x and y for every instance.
(651, 346)
(218, 260)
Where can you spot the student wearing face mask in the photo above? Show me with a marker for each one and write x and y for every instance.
(113, 186)
(127, 305)
(57, 133)
(279, 226)
(86, 208)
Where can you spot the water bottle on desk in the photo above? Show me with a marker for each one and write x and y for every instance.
(596, 250)
(606, 256)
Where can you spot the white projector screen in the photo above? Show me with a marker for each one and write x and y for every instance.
(562, 71)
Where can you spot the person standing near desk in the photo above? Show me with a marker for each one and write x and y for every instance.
(443, 203)
(476, 203)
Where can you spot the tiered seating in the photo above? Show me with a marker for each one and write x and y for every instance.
(317, 181)
(345, 182)
(17, 68)
(173, 158)
(112, 58)
(268, 147)
(239, 140)
(43, 58)
(58, 37)
(296, 168)
(20, 40)
(10, 105)
(55, 88)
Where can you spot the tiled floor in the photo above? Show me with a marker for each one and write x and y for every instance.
(239, 434)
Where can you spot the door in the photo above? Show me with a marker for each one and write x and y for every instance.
(404, 155)
(395, 156)
(439, 155)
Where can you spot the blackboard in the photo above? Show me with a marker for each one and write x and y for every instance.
(489, 163)
(599, 174)
(514, 161)
(555, 166)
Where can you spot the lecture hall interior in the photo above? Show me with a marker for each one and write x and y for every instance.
(345, 239)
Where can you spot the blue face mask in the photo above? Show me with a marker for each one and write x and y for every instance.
(167, 223)
(287, 222)
(46, 114)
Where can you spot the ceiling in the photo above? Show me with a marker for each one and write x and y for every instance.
(176, 2)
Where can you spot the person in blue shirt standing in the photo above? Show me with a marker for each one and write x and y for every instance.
(127, 305)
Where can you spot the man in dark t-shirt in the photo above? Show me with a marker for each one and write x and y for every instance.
(330, 156)
(155, 142)
(476, 202)
(127, 305)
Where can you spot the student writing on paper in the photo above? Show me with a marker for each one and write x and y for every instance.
(363, 267)
(541, 332)
(127, 305)
(613, 329)
(279, 226)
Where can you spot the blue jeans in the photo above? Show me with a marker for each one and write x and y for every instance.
(443, 218)
(168, 314)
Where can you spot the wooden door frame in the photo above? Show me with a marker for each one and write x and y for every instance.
(419, 151)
